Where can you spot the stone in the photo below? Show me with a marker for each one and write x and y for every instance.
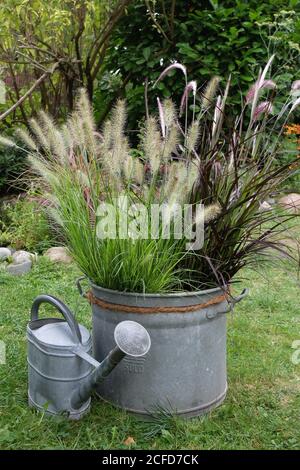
(292, 244)
(19, 269)
(290, 202)
(4, 253)
(58, 254)
(265, 206)
(271, 201)
(21, 256)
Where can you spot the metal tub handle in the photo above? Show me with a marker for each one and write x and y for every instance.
(232, 301)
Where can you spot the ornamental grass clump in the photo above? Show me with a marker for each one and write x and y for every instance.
(191, 155)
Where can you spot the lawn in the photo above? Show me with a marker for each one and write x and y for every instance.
(262, 407)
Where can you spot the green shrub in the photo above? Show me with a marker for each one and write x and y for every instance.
(12, 165)
(24, 225)
(209, 37)
(291, 147)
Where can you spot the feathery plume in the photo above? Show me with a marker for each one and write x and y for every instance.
(84, 110)
(165, 72)
(170, 180)
(118, 139)
(295, 85)
(208, 214)
(180, 192)
(190, 87)
(107, 136)
(76, 128)
(67, 136)
(139, 172)
(170, 143)
(118, 118)
(267, 84)
(173, 186)
(7, 142)
(40, 134)
(193, 172)
(27, 139)
(261, 79)
(128, 167)
(295, 105)
(265, 107)
(210, 92)
(161, 118)
(169, 113)
(187, 175)
(152, 144)
(192, 136)
(44, 170)
(217, 115)
(53, 135)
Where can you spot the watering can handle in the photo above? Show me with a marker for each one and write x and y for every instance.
(62, 308)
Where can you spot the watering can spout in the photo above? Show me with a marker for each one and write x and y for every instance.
(132, 339)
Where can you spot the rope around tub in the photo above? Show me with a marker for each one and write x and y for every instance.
(133, 309)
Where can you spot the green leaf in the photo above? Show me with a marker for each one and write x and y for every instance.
(147, 52)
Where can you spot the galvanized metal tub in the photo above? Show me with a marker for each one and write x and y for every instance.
(185, 369)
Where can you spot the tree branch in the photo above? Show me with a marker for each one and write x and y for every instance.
(29, 92)
(159, 28)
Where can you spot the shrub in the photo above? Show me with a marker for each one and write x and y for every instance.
(25, 225)
(291, 146)
(210, 37)
(12, 166)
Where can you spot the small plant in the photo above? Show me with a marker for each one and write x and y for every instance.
(25, 225)
(185, 158)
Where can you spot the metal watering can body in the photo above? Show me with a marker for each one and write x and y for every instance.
(61, 370)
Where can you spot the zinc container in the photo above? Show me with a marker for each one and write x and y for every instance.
(185, 370)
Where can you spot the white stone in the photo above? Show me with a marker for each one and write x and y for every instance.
(22, 256)
(290, 202)
(58, 254)
(265, 206)
(19, 269)
(4, 253)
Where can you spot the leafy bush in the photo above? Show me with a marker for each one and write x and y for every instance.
(68, 38)
(290, 149)
(210, 37)
(25, 225)
(12, 165)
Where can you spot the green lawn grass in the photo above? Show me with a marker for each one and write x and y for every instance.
(262, 407)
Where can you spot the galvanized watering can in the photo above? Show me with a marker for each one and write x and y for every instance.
(61, 371)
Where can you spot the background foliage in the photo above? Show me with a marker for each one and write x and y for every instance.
(209, 37)
(12, 165)
(24, 224)
(66, 39)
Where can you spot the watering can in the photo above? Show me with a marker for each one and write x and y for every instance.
(62, 373)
